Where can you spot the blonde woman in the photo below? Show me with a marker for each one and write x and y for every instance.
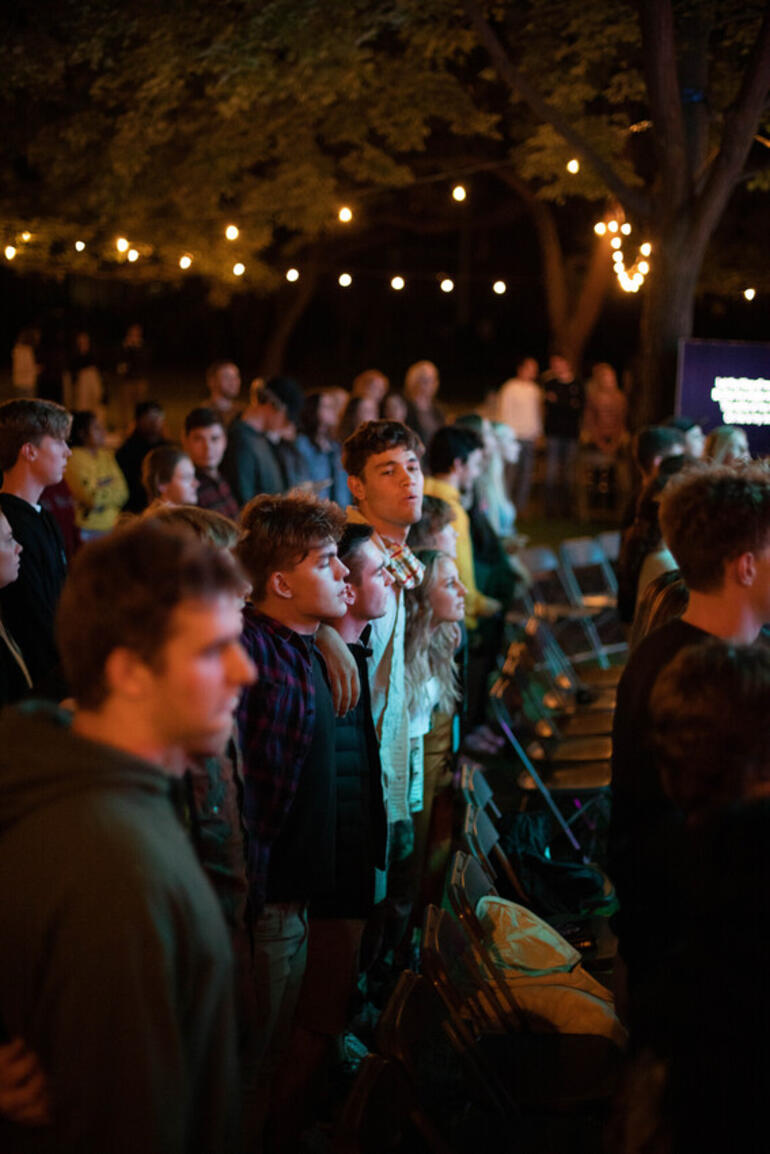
(434, 611)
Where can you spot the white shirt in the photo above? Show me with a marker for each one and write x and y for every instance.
(520, 405)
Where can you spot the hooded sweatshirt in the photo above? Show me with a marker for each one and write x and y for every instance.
(115, 965)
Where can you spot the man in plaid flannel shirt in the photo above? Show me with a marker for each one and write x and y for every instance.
(286, 728)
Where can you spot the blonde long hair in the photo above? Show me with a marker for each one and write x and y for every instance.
(429, 650)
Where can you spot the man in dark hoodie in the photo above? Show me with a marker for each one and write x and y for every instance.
(116, 967)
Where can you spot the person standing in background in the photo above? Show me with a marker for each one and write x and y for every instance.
(564, 396)
(520, 406)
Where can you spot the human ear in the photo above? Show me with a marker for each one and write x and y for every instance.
(357, 488)
(745, 569)
(280, 586)
(126, 674)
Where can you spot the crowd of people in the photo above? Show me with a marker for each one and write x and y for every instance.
(237, 671)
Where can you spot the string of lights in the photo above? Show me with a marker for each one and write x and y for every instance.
(630, 273)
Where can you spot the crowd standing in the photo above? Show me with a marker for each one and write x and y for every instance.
(238, 669)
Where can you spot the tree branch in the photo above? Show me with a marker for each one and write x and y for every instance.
(740, 124)
(517, 82)
(656, 21)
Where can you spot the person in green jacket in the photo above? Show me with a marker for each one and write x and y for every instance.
(116, 969)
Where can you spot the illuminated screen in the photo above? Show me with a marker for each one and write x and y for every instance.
(727, 383)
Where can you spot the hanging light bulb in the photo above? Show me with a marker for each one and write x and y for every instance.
(345, 214)
(25, 236)
(132, 255)
(643, 267)
(625, 228)
(185, 261)
(292, 274)
(499, 287)
(397, 283)
(617, 257)
(121, 244)
(79, 245)
(645, 249)
(600, 228)
(459, 193)
(573, 166)
(344, 280)
(616, 242)
(232, 232)
(239, 269)
(10, 252)
(613, 226)
(447, 285)
(749, 293)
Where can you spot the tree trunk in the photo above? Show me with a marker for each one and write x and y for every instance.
(593, 290)
(291, 304)
(667, 317)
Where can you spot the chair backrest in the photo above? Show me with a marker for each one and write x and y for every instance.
(538, 559)
(470, 842)
(468, 884)
(610, 543)
(585, 563)
(475, 787)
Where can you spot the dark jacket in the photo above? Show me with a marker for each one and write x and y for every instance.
(130, 456)
(116, 967)
(29, 604)
(250, 465)
(361, 821)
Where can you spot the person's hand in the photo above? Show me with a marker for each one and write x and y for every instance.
(342, 670)
(23, 1086)
(401, 839)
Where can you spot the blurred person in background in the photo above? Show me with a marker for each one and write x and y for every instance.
(168, 476)
(320, 448)
(94, 477)
(148, 432)
(726, 445)
(205, 441)
(223, 381)
(420, 388)
(520, 406)
(25, 367)
(371, 383)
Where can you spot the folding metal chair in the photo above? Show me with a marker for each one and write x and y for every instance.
(591, 583)
(481, 840)
(580, 784)
(550, 748)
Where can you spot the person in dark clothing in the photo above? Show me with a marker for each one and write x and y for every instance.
(716, 521)
(147, 434)
(33, 454)
(205, 442)
(116, 969)
(337, 919)
(564, 400)
(252, 463)
(286, 726)
(649, 448)
(15, 678)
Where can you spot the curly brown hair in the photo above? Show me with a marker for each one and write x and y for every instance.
(375, 437)
(279, 532)
(24, 421)
(710, 514)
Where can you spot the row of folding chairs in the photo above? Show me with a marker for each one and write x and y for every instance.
(576, 590)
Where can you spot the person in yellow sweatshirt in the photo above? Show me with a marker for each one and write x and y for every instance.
(94, 477)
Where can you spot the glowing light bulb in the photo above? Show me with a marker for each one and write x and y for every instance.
(447, 285)
(573, 165)
(239, 269)
(292, 274)
(397, 283)
(600, 228)
(616, 242)
(10, 252)
(25, 236)
(132, 255)
(232, 232)
(749, 293)
(345, 214)
(617, 257)
(121, 244)
(79, 245)
(499, 287)
(344, 280)
(625, 228)
(613, 226)
(459, 193)
(643, 267)
(645, 249)
(185, 261)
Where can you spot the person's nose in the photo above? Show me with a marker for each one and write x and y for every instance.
(341, 570)
(241, 669)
